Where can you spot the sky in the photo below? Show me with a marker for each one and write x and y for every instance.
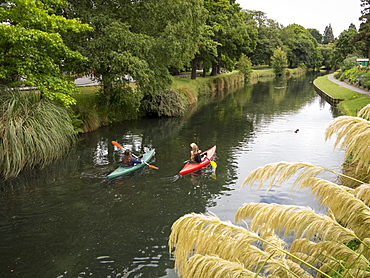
(316, 14)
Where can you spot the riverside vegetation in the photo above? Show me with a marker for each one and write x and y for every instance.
(118, 42)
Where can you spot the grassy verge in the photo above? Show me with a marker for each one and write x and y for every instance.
(353, 101)
(192, 89)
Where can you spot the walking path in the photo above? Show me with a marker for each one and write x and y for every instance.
(348, 86)
(85, 81)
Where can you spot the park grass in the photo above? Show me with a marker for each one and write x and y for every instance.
(333, 89)
(352, 106)
(353, 101)
(86, 95)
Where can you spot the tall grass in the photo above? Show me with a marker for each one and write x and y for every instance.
(33, 132)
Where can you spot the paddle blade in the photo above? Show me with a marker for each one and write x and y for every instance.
(213, 164)
(153, 167)
(116, 144)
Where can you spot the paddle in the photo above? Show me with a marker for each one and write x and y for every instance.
(119, 146)
(213, 163)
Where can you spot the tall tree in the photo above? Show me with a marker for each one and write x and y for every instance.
(141, 39)
(269, 37)
(326, 51)
(316, 34)
(231, 35)
(352, 26)
(279, 61)
(364, 30)
(32, 49)
(328, 36)
(300, 46)
(345, 46)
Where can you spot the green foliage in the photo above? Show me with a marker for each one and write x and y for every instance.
(140, 39)
(31, 47)
(279, 61)
(355, 75)
(328, 36)
(316, 34)
(363, 36)
(33, 132)
(245, 66)
(232, 36)
(326, 51)
(345, 47)
(169, 103)
(268, 38)
(124, 103)
(300, 47)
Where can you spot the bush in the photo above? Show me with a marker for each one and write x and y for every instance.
(357, 75)
(245, 66)
(349, 63)
(168, 103)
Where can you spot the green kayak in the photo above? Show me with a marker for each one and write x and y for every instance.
(125, 170)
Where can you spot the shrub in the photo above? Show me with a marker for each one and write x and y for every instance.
(168, 103)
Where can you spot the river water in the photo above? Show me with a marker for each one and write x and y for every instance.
(68, 220)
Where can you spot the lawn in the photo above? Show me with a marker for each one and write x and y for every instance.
(353, 101)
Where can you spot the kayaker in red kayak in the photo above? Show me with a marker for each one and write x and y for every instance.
(128, 160)
(195, 154)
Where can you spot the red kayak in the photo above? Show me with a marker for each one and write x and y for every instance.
(190, 167)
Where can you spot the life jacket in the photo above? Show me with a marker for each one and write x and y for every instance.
(197, 158)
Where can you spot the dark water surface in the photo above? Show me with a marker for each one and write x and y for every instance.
(68, 220)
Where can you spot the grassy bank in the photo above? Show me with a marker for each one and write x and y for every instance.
(191, 89)
(92, 114)
(353, 101)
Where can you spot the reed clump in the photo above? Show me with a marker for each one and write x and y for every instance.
(34, 132)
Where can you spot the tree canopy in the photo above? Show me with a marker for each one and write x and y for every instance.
(364, 31)
(328, 36)
(225, 37)
(32, 50)
(300, 46)
(269, 37)
(138, 39)
(345, 46)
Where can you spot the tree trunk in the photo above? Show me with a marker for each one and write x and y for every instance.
(214, 69)
(107, 94)
(194, 63)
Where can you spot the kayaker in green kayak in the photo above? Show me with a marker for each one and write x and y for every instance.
(128, 160)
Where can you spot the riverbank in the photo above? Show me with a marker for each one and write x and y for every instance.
(93, 116)
(347, 98)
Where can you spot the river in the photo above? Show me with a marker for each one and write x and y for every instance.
(69, 220)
